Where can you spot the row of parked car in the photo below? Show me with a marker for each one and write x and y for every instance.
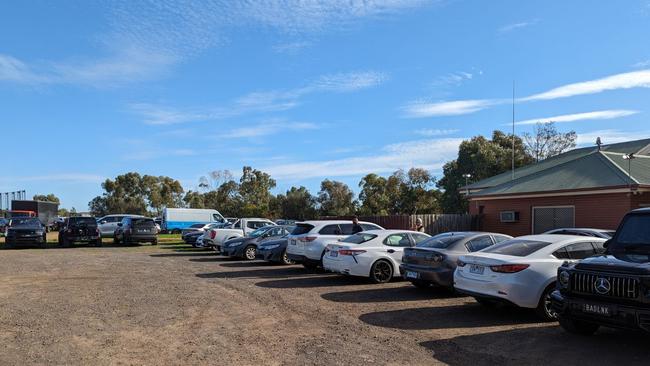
(604, 276)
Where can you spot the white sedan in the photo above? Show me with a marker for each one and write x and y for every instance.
(522, 271)
(376, 254)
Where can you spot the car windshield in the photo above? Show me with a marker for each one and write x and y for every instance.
(24, 221)
(517, 247)
(142, 222)
(443, 241)
(83, 221)
(634, 233)
(259, 232)
(358, 238)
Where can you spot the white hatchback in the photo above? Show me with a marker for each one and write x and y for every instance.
(373, 254)
(308, 240)
(522, 271)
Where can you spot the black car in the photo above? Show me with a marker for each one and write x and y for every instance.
(25, 230)
(133, 230)
(79, 230)
(612, 289)
(274, 250)
(246, 247)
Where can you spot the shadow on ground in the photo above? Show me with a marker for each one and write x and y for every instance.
(388, 294)
(275, 272)
(315, 280)
(467, 315)
(548, 345)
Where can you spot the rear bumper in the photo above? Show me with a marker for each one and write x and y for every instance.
(347, 266)
(438, 276)
(622, 316)
(511, 291)
(142, 238)
(301, 259)
(81, 238)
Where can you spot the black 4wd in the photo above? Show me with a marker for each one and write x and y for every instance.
(612, 289)
(79, 230)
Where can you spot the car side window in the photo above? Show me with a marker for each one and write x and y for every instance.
(500, 238)
(398, 240)
(369, 227)
(479, 243)
(599, 247)
(580, 250)
(346, 229)
(330, 230)
(417, 238)
(561, 254)
(237, 225)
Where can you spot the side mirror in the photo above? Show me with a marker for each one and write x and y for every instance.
(606, 244)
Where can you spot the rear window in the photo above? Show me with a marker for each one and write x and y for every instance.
(301, 229)
(143, 222)
(517, 248)
(440, 242)
(635, 230)
(87, 221)
(358, 238)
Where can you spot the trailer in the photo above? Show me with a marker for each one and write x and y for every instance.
(46, 212)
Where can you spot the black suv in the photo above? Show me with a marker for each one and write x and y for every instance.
(79, 230)
(612, 289)
(25, 230)
(136, 230)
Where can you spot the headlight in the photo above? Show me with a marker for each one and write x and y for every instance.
(269, 247)
(564, 278)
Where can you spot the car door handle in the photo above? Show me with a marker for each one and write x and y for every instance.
(391, 251)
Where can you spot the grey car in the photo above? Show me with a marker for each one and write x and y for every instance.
(246, 247)
(432, 262)
(108, 224)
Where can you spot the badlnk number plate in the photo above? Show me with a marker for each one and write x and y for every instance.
(334, 253)
(476, 269)
(601, 310)
(292, 242)
(413, 275)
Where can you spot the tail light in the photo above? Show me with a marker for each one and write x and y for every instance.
(307, 239)
(351, 251)
(509, 268)
(213, 234)
(460, 263)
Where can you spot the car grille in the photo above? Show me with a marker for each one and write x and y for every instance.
(613, 286)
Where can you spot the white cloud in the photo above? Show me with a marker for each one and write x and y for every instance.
(420, 109)
(453, 79)
(429, 132)
(642, 64)
(348, 82)
(14, 70)
(514, 26)
(606, 114)
(269, 128)
(628, 80)
(430, 154)
(610, 136)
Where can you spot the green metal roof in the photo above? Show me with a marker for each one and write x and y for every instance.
(583, 168)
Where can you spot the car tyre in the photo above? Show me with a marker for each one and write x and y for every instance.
(250, 252)
(578, 327)
(422, 285)
(8, 244)
(310, 266)
(381, 271)
(116, 240)
(544, 309)
(98, 242)
(284, 259)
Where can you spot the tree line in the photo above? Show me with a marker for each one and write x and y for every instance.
(415, 191)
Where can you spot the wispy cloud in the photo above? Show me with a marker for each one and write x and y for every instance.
(610, 136)
(453, 79)
(595, 115)
(260, 101)
(514, 26)
(270, 127)
(642, 64)
(420, 109)
(429, 132)
(429, 154)
(628, 80)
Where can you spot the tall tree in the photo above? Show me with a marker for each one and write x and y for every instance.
(297, 204)
(546, 141)
(419, 195)
(194, 199)
(336, 199)
(373, 195)
(47, 198)
(255, 189)
(482, 158)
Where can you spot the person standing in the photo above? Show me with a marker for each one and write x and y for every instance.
(356, 228)
(419, 226)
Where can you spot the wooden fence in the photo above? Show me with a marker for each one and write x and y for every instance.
(433, 223)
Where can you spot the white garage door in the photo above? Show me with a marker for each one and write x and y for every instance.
(549, 218)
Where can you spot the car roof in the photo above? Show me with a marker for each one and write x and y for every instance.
(586, 229)
(558, 238)
(391, 231)
(642, 210)
(326, 222)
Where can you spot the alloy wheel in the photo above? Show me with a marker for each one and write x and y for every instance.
(382, 272)
(250, 253)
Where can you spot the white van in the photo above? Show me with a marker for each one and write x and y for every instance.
(176, 219)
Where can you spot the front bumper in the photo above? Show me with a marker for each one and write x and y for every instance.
(621, 316)
(25, 239)
(442, 276)
(270, 255)
(237, 251)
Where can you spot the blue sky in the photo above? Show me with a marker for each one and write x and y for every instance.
(305, 90)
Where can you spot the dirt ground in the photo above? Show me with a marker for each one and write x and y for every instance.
(172, 304)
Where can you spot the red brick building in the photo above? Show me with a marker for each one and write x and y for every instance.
(587, 187)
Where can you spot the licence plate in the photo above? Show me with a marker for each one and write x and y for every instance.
(597, 309)
(476, 269)
(292, 242)
(143, 230)
(414, 275)
(334, 254)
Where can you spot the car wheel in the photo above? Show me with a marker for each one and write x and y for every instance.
(8, 244)
(98, 243)
(381, 272)
(578, 327)
(250, 252)
(423, 285)
(310, 266)
(116, 240)
(285, 259)
(64, 242)
(544, 309)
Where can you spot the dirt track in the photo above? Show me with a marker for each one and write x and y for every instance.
(174, 305)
